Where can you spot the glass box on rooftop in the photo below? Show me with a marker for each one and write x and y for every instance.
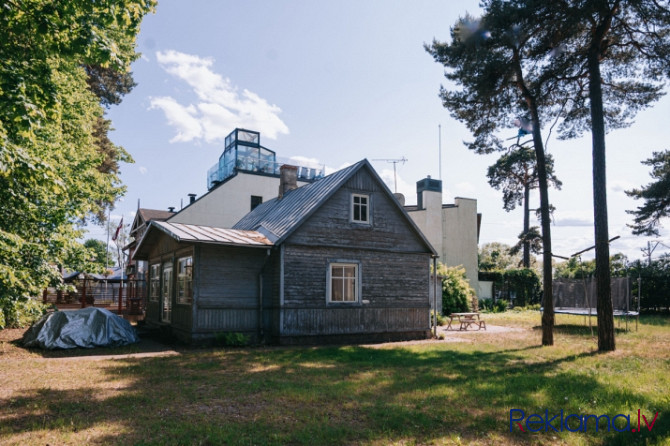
(243, 152)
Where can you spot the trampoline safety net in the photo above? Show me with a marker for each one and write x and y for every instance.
(580, 295)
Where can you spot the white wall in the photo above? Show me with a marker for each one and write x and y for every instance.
(225, 205)
(452, 230)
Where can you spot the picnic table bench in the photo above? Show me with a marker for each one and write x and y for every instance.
(466, 320)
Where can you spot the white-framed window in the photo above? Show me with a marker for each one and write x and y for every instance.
(155, 282)
(360, 208)
(185, 280)
(166, 292)
(343, 282)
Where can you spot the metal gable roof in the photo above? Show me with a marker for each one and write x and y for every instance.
(204, 234)
(207, 234)
(277, 219)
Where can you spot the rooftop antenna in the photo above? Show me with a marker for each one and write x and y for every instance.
(394, 161)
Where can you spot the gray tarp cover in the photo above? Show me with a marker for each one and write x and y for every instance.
(89, 327)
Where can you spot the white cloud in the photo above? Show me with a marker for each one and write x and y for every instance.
(143, 170)
(184, 119)
(219, 106)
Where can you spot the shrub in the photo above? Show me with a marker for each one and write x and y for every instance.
(457, 293)
(230, 339)
(486, 305)
(21, 313)
(500, 306)
(489, 306)
(441, 320)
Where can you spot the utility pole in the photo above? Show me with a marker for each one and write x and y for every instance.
(395, 177)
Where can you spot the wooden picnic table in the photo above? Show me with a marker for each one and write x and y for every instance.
(466, 320)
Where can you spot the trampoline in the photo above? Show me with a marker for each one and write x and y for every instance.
(578, 297)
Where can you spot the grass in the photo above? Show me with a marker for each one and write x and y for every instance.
(404, 394)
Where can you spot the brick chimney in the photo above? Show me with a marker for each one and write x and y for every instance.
(288, 179)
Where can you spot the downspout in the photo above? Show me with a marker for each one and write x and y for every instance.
(434, 317)
(260, 296)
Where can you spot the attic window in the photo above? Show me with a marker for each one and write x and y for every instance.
(360, 208)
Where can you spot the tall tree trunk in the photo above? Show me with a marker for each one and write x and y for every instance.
(526, 224)
(603, 288)
(548, 298)
(543, 186)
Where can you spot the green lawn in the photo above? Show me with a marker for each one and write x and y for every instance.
(430, 393)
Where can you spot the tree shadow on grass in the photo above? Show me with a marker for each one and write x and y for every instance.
(335, 395)
(583, 330)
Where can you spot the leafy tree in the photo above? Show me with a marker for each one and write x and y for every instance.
(656, 196)
(457, 294)
(515, 173)
(495, 61)
(51, 167)
(100, 254)
(497, 256)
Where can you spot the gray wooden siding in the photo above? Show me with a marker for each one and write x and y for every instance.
(345, 321)
(330, 225)
(228, 288)
(395, 293)
(388, 279)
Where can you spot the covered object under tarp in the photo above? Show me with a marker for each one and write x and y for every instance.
(86, 328)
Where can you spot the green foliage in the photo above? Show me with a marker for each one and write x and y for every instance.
(491, 306)
(457, 294)
(97, 250)
(230, 339)
(655, 283)
(21, 313)
(496, 256)
(56, 170)
(441, 320)
(515, 172)
(576, 269)
(655, 195)
(525, 283)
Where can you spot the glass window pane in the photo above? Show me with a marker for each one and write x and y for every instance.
(349, 290)
(336, 290)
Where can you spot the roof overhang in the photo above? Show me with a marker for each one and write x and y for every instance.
(187, 233)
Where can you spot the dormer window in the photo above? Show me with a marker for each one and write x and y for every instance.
(360, 208)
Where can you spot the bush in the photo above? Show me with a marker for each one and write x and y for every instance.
(486, 305)
(489, 306)
(500, 306)
(441, 320)
(230, 339)
(21, 313)
(457, 294)
(525, 283)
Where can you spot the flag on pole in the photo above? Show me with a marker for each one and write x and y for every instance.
(118, 229)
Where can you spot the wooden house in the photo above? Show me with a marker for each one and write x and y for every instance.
(337, 260)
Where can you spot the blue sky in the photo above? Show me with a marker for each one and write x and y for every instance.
(338, 82)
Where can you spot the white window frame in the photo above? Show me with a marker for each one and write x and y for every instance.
(362, 207)
(185, 280)
(167, 291)
(155, 282)
(357, 282)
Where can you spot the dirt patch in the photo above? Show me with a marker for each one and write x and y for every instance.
(468, 336)
(11, 349)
